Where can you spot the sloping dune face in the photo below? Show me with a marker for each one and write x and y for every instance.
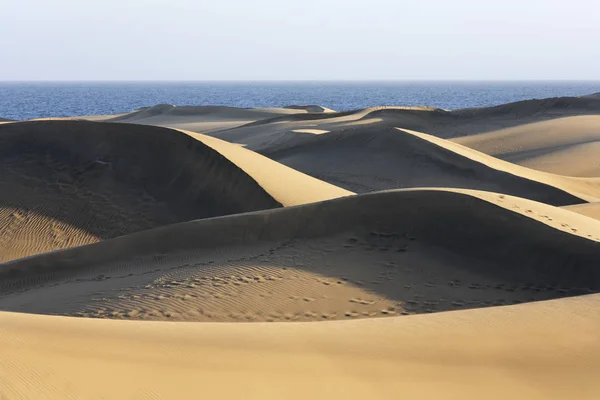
(366, 158)
(539, 351)
(380, 254)
(566, 145)
(68, 183)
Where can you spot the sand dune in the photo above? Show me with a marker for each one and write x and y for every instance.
(208, 118)
(454, 123)
(545, 350)
(67, 183)
(288, 186)
(386, 253)
(559, 144)
(120, 220)
(371, 157)
(311, 108)
(552, 106)
(565, 145)
(589, 209)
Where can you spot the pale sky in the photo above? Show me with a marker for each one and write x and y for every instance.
(299, 40)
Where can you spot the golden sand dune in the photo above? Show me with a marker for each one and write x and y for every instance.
(385, 253)
(67, 183)
(286, 185)
(537, 351)
(589, 209)
(566, 145)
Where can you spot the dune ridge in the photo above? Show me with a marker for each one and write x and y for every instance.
(364, 158)
(400, 249)
(69, 182)
(207, 118)
(565, 145)
(524, 107)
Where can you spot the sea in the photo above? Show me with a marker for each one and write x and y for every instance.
(27, 100)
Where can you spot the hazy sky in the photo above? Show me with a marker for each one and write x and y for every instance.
(299, 40)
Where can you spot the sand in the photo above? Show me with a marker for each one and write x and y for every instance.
(376, 254)
(589, 209)
(545, 350)
(61, 188)
(565, 145)
(207, 118)
(302, 253)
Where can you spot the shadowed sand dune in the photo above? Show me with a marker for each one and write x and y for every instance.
(439, 122)
(207, 118)
(366, 158)
(68, 183)
(378, 254)
(553, 135)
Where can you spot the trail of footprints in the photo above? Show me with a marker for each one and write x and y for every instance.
(361, 276)
(502, 200)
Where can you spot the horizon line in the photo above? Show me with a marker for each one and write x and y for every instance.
(295, 80)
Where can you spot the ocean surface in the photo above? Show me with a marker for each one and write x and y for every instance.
(26, 100)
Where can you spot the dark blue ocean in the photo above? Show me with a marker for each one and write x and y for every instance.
(36, 100)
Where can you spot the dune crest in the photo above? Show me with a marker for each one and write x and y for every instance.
(368, 157)
(377, 254)
(68, 183)
(565, 145)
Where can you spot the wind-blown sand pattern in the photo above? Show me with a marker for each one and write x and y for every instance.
(466, 266)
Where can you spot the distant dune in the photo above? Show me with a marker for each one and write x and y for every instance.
(311, 108)
(446, 254)
(205, 118)
(368, 154)
(566, 145)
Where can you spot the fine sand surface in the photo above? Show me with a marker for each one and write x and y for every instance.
(589, 209)
(536, 351)
(178, 252)
(364, 151)
(567, 145)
